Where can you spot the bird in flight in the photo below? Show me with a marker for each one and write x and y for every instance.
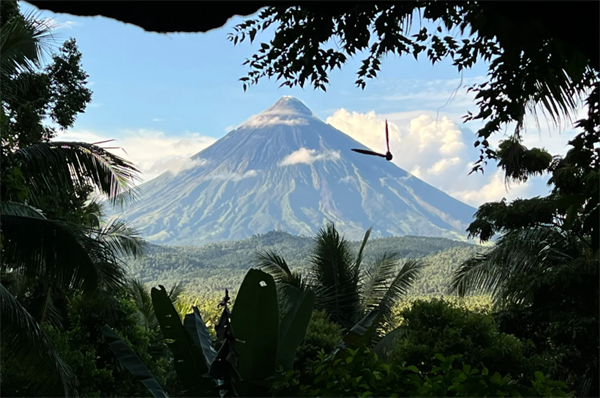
(388, 155)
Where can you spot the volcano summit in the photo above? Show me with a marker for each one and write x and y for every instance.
(286, 169)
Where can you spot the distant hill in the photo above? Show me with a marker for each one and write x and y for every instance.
(286, 169)
(215, 266)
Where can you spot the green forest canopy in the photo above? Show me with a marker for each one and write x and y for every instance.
(211, 268)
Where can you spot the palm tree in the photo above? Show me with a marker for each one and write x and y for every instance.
(519, 264)
(342, 287)
(66, 257)
(53, 256)
(544, 283)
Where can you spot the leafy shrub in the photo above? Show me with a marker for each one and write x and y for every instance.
(81, 345)
(437, 326)
(363, 374)
(321, 334)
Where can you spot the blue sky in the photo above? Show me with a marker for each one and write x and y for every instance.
(165, 97)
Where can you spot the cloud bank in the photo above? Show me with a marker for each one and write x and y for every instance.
(151, 151)
(438, 152)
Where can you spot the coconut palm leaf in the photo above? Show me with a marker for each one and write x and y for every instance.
(23, 41)
(20, 209)
(398, 288)
(140, 295)
(59, 251)
(278, 268)
(26, 345)
(517, 254)
(376, 280)
(335, 278)
(72, 164)
(176, 292)
(120, 239)
(359, 257)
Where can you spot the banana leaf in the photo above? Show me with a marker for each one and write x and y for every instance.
(189, 363)
(359, 336)
(196, 327)
(255, 320)
(132, 362)
(384, 346)
(293, 328)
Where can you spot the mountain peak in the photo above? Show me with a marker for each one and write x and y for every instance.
(288, 105)
(286, 169)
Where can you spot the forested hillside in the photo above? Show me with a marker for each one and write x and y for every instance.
(216, 266)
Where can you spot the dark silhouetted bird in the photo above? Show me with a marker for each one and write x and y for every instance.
(388, 155)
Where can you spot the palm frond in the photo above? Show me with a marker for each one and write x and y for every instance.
(120, 239)
(277, 267)
(399, 287)
(20, 209)
(376, 280)
(51, 314)
(72, 164)
(359, 257)
(61, 252)
(140, 294)
(517, 254)
(23, 41)
(27, 346)
(334, 278)
(176, 292)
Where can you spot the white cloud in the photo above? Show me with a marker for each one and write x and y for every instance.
(57, 25)
(262, 120)
(494, 190)
(438, 152)
(157, 120)
(308, 156)
(174, 165)
(233, 176)
(152, 152)
(230, 128)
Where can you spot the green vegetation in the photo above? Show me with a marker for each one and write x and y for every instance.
(363, 374)
(524, 321)
(211, 268)
(436, 326)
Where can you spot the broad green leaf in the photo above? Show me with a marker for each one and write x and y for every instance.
(293, 329)
(361, 332)
(385, 344)
(189, 362)
(196, 327)
(132, 362)
(441, 357)
(255, 322)
(359, 336)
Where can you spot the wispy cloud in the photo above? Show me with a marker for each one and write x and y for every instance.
(150, 150)
(233, 176)
(157, 120)
(58, 25)
(265, 120)
(308, 156)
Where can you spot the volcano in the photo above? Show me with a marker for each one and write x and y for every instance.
(285, 169)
